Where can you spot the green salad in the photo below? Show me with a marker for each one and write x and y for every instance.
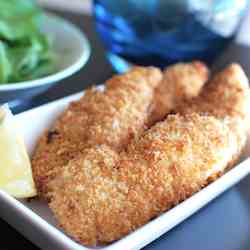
(25, 52)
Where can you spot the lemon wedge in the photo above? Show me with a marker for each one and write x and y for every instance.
(15, 168)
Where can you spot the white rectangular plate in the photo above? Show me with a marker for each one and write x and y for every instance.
(35, 221)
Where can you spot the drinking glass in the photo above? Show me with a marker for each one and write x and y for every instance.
(162, 32)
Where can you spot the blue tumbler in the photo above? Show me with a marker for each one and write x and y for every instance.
(162, 32)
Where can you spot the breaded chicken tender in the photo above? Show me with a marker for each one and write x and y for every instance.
(103, 195)
(129, 104)
(222, 95)
(112, 117)
(181, 81)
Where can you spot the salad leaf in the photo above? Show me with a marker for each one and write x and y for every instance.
(25, 52)
(5, 67)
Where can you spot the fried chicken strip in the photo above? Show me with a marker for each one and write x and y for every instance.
(115, 116)
(112, 117)
(226, 94)
(103, 195)
(181, 81)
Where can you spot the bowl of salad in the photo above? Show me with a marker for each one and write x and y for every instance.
(37, 49)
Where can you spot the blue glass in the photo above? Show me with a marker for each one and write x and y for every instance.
(162, 32)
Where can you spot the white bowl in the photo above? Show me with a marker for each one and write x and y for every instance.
(72, 50)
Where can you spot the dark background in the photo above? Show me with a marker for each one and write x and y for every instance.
(223, 224)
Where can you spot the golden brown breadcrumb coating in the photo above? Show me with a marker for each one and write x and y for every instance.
(113, 117)
(224, 92)
(102, 195)
(180, 81)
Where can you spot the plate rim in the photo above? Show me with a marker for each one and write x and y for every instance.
(76, 66)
